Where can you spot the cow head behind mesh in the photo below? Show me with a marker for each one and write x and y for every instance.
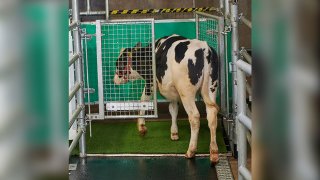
(124, 66)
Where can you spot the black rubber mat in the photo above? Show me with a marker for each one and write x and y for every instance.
(142, 168)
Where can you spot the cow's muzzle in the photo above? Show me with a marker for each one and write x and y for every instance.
(117, 80)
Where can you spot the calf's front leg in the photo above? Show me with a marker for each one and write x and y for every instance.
(141, 121)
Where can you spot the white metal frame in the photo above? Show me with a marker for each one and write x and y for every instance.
(242, 68)
(102, 103)
(78, 115)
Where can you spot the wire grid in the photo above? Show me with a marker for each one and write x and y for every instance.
(124, 101)
(208, 31)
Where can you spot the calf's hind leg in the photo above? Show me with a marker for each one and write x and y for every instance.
(212, 111)
(194, 120)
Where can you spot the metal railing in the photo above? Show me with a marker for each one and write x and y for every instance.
(241, 61)
(77, 90)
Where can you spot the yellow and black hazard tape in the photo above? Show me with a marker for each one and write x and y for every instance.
(164, 10)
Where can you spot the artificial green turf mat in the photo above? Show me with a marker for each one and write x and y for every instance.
(123, 137)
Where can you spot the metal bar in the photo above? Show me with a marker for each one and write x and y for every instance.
(79, 75)
(73, 25)
(239, 91)
(207, 15)
(221, 4)
(74, 58)
(222, 76)
(244, 66)
(226, 9)
(246, 21)
(245, 173)
(75, 89)
(75, 141)
(93, 13)
(245, 120)
(235, 49)
(88, 85)
(75, 115)
(125, 21)
(107, 9)
(245, 54)
(197, 26)
(154, 71)
(99, 65)
(88, 6)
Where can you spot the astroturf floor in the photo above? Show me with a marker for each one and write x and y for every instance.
(123, 137)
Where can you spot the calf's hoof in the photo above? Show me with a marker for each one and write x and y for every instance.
(142, 130)
(174, 136)
(214, 157)
(190, 154)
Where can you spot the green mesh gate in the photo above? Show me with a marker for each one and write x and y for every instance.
(210, 28)
(123, 101)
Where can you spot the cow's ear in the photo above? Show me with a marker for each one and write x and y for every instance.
(137, 46)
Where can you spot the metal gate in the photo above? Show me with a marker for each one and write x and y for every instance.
(210, 28)
(125, 100)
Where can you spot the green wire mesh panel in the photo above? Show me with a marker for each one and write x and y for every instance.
(208, 31)
(89, 50)
(124, 100)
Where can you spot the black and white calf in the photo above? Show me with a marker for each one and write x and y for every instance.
(183, 68)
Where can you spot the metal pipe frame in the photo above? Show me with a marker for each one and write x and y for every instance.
(245, 120)
(75, 89)
(245, 54)
(244, 66)
(223, 95)
(75, 115)
(73, 25)
(79, 78)
(242, 121)
(88, 6)
(155, 104)
(75, 140)
(93, 13)
(107, 10)
(226, 9)
(246, 21)
(74, 58)
(208, 15)
(99, 66)
(245, 172)
(197, 25)
(235, 51)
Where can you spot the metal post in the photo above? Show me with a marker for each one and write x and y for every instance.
(223, 87)
(226, 8)
(107, 9)
(221, 4)
(197, 26)
(88, 6)
(242, 140)
(99, 68)
(240, 99)
(235, 49)
(79, 76)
